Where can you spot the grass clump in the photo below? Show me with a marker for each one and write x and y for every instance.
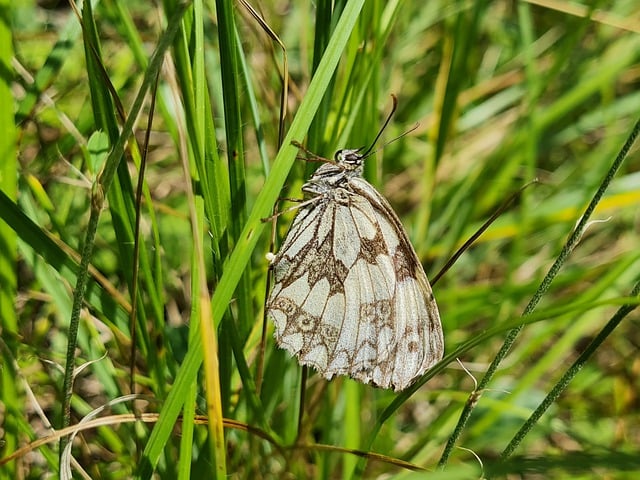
(144, 145)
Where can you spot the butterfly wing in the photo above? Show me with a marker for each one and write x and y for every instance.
(350, 296)
(415, 342)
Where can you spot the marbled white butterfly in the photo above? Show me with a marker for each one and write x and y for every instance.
(350, 296)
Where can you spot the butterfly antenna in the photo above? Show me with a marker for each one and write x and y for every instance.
(396, 138)
(370, 150)
(386, 122)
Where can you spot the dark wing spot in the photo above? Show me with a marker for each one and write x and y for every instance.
(405, 262)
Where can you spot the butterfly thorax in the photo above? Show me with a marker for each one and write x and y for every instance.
(332, 176)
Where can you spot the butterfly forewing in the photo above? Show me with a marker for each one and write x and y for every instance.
(350, 296)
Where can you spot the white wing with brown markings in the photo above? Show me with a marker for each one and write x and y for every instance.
(350, 296)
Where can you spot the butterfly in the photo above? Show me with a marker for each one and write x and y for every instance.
(350, 296)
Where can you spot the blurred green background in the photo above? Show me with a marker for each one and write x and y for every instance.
(169, 215)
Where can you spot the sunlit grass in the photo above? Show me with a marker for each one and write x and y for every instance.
(503, 94)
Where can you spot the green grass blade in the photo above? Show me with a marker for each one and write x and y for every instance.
(572, 242)
(251, 232)
(100, 188)
(575, 368)
(8, 242)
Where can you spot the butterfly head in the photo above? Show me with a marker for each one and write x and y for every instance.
(349, 158)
